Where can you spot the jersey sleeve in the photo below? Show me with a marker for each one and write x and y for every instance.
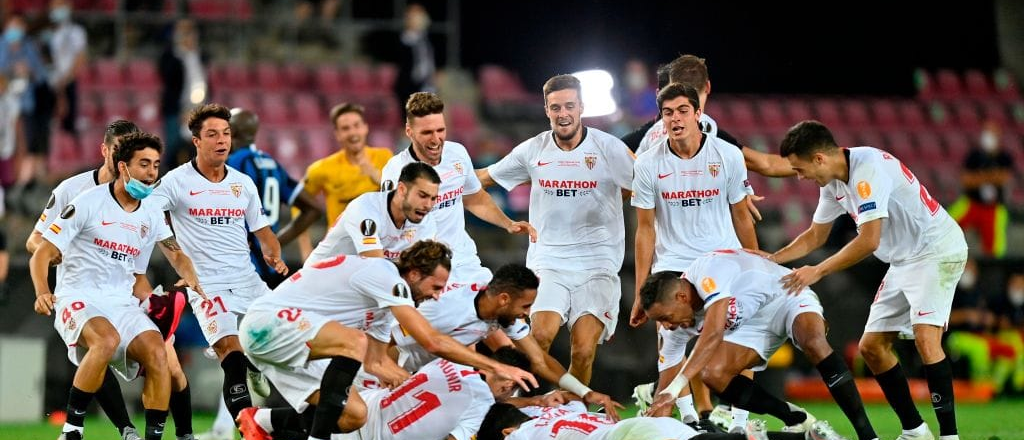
(381, 329)
(737, 185)
(164, 196)
(67, 225)
(142, 261)
(622, 161)
(312, 182)
(361, 228)
(512, 169)
(52, 208)
(873, 188)
(518, 330)
(643, 185)
(255, 218)
(828, 208)
(390, 173)
(712, 278)
(380, 282)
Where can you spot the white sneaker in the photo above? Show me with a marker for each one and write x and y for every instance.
(822, 430)
(721, 416)
(130, 434)
(920, 433)
(216, 435)
(756, 430)
(643, 396)
(803, 426)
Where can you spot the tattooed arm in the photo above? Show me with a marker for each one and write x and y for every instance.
(181, 263)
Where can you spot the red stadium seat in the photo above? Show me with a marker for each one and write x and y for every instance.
(900, 144)
(142, 75)
(978, 85)
(275, 110)
(269, 77)
(929, 147)
(771, 114)
(957, 145)
(361, 81)
(231, 75)
(995, 111)
(741, 112)
(1005, 85)
(912, 115)
(108, 74)
(309, 112)
(297, 76)
(386, 75)
(884, 113)
(329, 79)
(965, 115)
(826, 110)
(856, 113)
(798, 110)
(949, 85)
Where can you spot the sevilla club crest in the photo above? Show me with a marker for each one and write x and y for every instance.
(713, 169)
(590, 161)
(236, 189)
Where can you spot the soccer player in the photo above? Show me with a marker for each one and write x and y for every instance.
(425, 127)
(99, 237)
(213, 207)
(901, 224)
(276, 189)
(747, 315)
(689, 192)
(109, 395)
(308, 337)
(579, 176)
(382, 224)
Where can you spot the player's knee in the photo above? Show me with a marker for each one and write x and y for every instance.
(357, 341)
(930, 351)
(155, 360)
(354, 416)
(543, 337)
(872, 350)
(716, 376)
(178, 379)
(816, 348)
(104, 346)
(583, 354)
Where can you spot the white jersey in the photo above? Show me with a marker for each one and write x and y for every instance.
(746, 280)
(355, 291)
(575, 199)
(564, 424)
(441, 399)
(457, 179)
(692, 199)
(881, 186)
(453, 314)
(211, 221)
(101, 243)
(62, 195)
(366, 225)
(657, 134)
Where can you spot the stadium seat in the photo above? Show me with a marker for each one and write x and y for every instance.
(296, 75)
(948, 84)
(1006, 87)
(274, 110)
(309, 112)
(957, 145)
(329, 79)
(771, 114)
(885, 114)
(142, 75)
(965, 115)
(319, 144)
(386, 73)
(929, 147)
(855, 112)
(741, 113)
(232, 74)
(108, 74)
(270, 77)
(901, 145)
(361, 81)
(238, 10)
(826, 110)
(995, 111)
(977, 85)
(798, 110)
(912, 115)
(925, 83)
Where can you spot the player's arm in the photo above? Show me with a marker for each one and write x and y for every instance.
(271, 249)
(181, 263)
(39, 269)
(447, 347)
(644, 259)
(743, 223)
(34, 240)
(142, 288)
(309, 212)
(767, 164)
(485, 178)
(813, 238)
(864, 244)
(380, 364)
(711, 337)
(482, 205)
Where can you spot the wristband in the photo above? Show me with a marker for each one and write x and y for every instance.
(573, 385)
(676, 386)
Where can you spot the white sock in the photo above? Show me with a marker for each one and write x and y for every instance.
(687, 412)
(739, 417)
(920, 429)
(949, 437)
(69, 427)
(223, 422)
(316, 438)
(263, 419)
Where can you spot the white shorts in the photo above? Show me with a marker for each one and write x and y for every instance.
(769, 328)
(123, 312)
(645, 428)
(919, 292)
(296, 384)
(218, 316)
(279, 337)
(672, 346)
(573, 294)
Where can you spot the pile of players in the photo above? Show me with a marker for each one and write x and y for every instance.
(382, 332)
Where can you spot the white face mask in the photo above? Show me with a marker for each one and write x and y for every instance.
(968, 280)
(989, 141)
(1016, 297)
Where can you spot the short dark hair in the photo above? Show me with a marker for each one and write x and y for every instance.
(675, 90)
(806, 138)
(418, 170)
(346, 107)
(424, 256)
(662, 74)
(422, 104)
(690, 70)
(117, 129)
(512, 356)
(658, 287)
(132, 142)
(499, 417)
(562, 82)
(200, 114)
(514, 279)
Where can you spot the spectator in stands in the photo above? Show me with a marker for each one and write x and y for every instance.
(987, 169)
(1009, 312)
(640, 94)
(969, 336)
(416, 63)
(68, 49)
(185, 87)
(20, 57)
(321, 30)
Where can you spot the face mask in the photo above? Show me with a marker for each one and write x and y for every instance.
(60, 14)
(1016, 297)
(989, 142)
(967, 280)
(137, 189)
(14, 35)
(636, 81)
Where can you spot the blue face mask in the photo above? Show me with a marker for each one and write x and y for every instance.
(14, 35)
(60, 14)
(137, 189)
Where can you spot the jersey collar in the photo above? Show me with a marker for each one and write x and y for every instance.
(703, 141)
(110, 187)
(582, 138)
(96, 177)
(196, 167)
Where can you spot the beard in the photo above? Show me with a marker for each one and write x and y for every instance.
(506, 321)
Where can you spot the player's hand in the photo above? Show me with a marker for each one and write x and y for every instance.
(523, 228)
(798, 279)
(391, 376)
(764, 254)
(754, 213)
(44, 303)
(277, 263)
(611, 407)
(522, 378)
(662, 402)
(194, 285)
(552, 399)
(637, 316)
